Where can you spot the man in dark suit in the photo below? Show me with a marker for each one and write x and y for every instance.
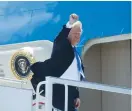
(63, 63)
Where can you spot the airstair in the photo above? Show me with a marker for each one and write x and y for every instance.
(18, 98)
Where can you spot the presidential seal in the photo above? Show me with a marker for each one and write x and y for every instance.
(20, 64)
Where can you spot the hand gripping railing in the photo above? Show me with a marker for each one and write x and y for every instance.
(52, 80)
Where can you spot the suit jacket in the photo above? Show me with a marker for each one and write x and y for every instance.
(61, 58)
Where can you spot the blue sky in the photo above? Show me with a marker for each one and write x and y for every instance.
(29, 21)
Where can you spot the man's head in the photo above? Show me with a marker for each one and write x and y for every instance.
(75, 33)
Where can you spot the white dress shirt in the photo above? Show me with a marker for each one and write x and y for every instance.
(72, 72)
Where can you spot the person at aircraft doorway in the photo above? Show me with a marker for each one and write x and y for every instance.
(65, 63)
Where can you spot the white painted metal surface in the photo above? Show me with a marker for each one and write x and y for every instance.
(40, 51)
(15, 99)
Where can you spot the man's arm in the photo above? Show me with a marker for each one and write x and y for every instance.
(50, 66)
(63, 33)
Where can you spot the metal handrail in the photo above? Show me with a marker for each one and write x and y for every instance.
(91, 85)
(38, 94)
